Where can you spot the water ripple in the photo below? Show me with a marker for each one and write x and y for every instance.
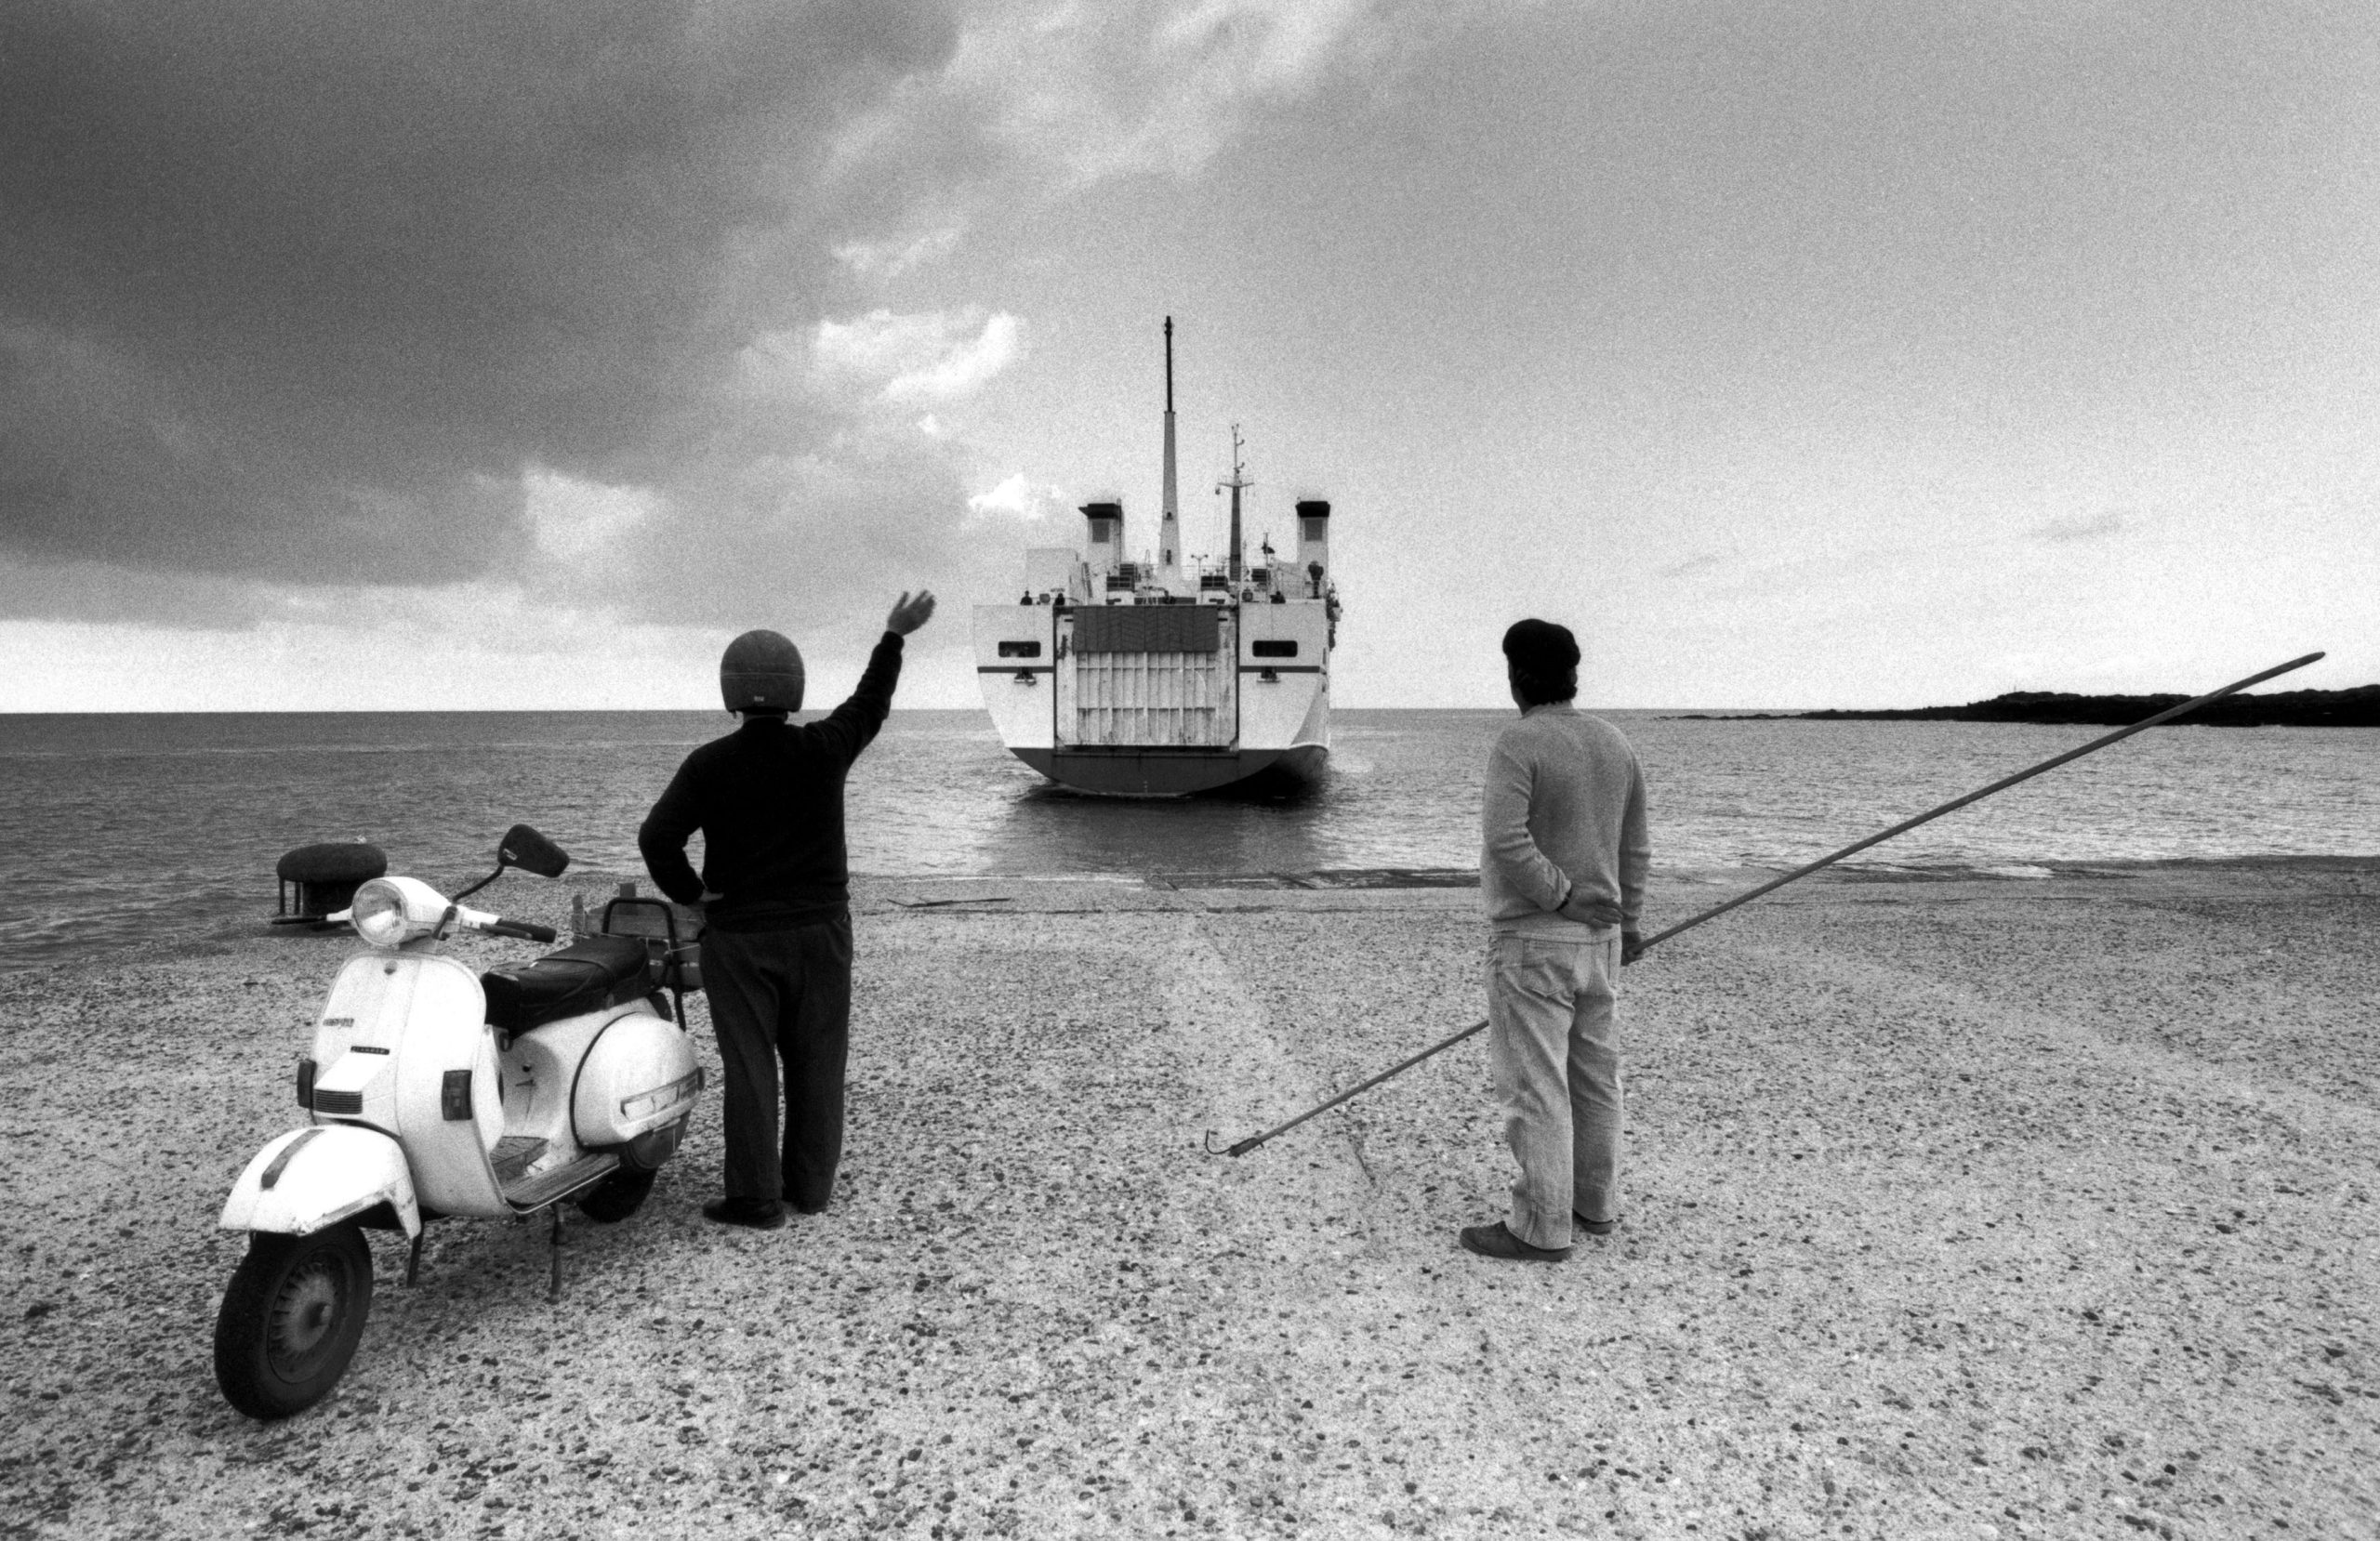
(125, 824)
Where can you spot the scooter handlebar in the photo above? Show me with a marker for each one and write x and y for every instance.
(495, 925)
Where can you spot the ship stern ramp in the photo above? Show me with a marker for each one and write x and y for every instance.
(1157, 699)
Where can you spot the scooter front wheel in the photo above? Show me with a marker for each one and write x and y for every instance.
(292, 1318)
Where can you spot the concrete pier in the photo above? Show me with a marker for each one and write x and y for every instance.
(1986, 1205)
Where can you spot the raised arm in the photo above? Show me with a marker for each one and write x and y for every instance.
(850, 727)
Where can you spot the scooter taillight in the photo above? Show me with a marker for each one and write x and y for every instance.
(454, 1096)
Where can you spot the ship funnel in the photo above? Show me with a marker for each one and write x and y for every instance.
(1169, 529)
(1106, 536)
(1314, 546)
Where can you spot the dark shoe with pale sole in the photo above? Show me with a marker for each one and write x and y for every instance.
(752, 1214)
(1593, 1228)
(1496, 1241)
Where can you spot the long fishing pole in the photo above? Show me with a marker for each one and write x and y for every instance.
(1795, 876)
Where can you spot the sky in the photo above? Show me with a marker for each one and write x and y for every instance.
(1794, 354)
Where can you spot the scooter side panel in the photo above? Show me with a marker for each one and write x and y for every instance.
(312, 1178)
(639, 1075)
(380, 998)
(439, 1016)
(539, 1070)
(356, 1002)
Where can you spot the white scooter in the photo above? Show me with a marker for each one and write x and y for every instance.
(433, 1091)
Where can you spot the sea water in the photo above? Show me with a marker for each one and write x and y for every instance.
(120, 829)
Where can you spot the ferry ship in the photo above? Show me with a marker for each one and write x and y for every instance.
(1160, 677)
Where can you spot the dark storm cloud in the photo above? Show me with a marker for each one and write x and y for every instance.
(296, 291)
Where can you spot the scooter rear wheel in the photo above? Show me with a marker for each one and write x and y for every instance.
(292, 1318)
(617, 1196)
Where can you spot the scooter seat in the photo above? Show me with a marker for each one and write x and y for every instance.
(594, 971)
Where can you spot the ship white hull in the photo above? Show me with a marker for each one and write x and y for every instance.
(1176, 773)
(1159, 701)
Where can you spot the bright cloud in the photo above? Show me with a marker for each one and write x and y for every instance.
(1103, 90)
(1083, 92)
(930, 356)
(573, 520)
(1018, 498)
(878, 260)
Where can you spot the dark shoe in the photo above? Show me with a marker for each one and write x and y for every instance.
(1593, 1228)
(818, 1208)
(1496, 1241)
(755, 1214)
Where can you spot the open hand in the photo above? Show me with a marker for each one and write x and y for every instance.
(909, 613)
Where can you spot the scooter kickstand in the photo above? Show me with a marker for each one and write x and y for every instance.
(554, 1294)
(412, 1258)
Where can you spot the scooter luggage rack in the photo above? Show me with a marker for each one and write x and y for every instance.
(677, 963)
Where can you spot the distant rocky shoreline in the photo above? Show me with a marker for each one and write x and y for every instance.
(2359, 707)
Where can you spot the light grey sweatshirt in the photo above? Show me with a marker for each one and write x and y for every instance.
(1564, 844)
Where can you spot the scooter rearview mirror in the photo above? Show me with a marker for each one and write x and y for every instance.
(524, 848)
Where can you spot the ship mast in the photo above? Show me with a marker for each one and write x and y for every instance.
(1168, 538)
(1238, 480)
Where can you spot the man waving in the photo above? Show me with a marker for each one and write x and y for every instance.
(775, 891)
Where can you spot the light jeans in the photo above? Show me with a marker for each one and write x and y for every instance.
(1554, 1043)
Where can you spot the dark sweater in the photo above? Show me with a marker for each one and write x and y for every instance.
(769, 800)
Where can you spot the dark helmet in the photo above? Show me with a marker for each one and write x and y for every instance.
(761, 671)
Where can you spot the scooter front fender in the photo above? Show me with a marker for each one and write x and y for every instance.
(313, 1178)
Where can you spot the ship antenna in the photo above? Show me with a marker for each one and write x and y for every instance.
(1168, 537)
(1238, 480)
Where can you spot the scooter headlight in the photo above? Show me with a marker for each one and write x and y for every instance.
(378, 914)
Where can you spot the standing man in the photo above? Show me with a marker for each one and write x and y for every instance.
(775, 891)
(1562, 870)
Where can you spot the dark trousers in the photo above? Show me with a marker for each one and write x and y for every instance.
(782, 995)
